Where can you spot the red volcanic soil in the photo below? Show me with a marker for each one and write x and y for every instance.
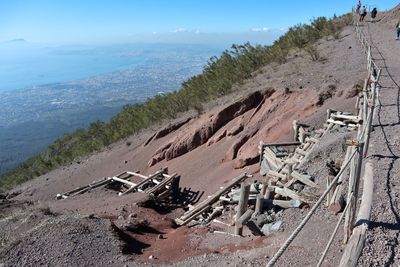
(207, 150)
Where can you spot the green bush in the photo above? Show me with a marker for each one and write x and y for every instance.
(219, 75)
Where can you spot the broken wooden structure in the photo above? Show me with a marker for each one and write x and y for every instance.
(212, 206)
(158, 185)
(280, 162)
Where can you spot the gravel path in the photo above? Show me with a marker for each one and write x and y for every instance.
(383, 238)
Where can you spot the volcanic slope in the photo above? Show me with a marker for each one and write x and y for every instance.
(207, 150)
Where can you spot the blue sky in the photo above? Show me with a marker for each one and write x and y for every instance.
(82, 21)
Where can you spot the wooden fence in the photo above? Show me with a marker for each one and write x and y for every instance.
(354, 227)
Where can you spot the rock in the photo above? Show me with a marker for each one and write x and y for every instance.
(263, 219)
(298, 187)
(217, 138)
(276, 226)
(160, 236)
(235, 130)
(132, 215)
(208, 127)
(270, 228)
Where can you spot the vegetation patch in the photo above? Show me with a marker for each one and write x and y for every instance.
(217, 79)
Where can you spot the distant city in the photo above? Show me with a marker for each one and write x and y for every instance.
(32, 118)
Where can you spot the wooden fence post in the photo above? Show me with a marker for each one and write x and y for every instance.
(370, 118)
(242, 207)
(352, 196)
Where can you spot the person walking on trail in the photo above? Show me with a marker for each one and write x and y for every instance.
(398, 30)
(358, 7)
(363, 13)
(374, 12)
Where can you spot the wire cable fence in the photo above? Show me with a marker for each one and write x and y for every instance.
(354, 228)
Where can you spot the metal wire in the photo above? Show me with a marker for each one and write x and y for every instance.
(310, 213)
(334, 233)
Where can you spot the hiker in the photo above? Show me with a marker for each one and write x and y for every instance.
(363, 13)
(374, 12)
(358, 7)
(398, 30)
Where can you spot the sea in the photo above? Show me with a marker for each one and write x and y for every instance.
(49, 90)
(25, 65)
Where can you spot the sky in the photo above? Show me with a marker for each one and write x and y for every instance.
(91, 21)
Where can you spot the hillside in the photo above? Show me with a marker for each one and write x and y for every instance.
(217, 79)
(207, 149)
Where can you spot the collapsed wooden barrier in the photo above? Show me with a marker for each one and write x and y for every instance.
(279, 162)
(158, 185)
(209, 203)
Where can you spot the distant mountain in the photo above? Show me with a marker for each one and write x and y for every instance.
(16, 41)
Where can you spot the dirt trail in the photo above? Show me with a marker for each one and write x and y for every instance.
(383, 238)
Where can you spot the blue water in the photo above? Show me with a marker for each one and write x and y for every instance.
(26, 65)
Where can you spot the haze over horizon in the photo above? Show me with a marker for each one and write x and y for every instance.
(85, 22)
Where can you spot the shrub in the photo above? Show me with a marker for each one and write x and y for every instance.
(313, 52)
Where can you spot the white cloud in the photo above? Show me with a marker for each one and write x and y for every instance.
(184, 30)
(180, 30)
(263, 29)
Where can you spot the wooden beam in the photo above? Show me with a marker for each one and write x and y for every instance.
(147, 179)
(355, 245)
(305, 179)
(242, 206)
(337, 122)
(216, 196)
(353, 190)
(338, 201)
(289, 193)
(161, 185)
(259, 203)
(245, 217)
(116, 179)
(277, 174)
(286, 204)
(284, 144)
(354, 118)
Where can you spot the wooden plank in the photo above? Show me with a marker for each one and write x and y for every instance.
(216, 196)
(146, 180)
(301, 151)
(137, 174)
(305, 179)
(161, 185)
(116, 179)
(283, 144)
(353, 118)
(312, 140)
(337, 201)
(259, 203)
(193, 215)
(245, 217)
(290, 193)
(254, 228)
(353, 190)
(337, 122)
(277, 174)
(355, 245)
(286, 204)
(242, 206)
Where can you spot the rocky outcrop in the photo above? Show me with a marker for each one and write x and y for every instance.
(202, 130)
(168, 129)
(216, 138)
